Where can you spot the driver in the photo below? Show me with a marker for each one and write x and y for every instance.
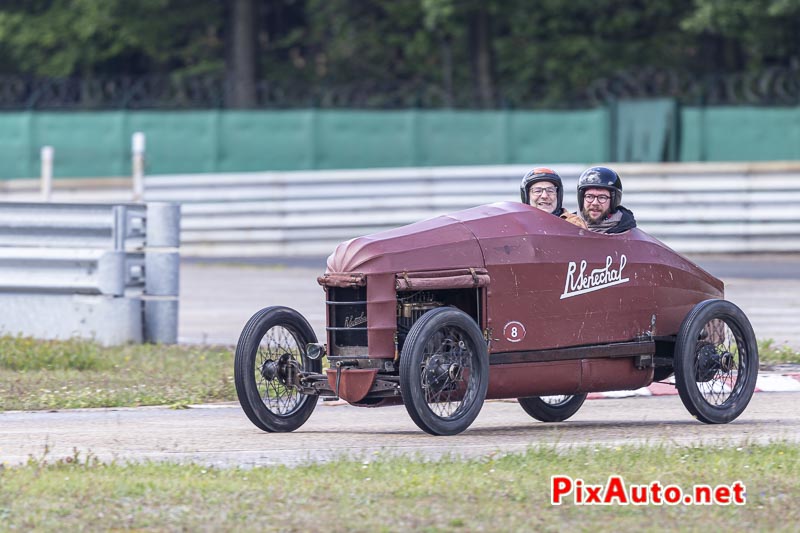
(599, 197)
(542, 188)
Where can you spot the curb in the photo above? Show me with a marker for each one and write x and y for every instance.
(766, 382)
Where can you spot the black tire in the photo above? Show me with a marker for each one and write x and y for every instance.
(444, 371)
(552, 408)
(716, 362)
(272, 342)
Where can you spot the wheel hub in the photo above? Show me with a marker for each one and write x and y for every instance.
(436, 373)
(442, 374)
(454, 372)
(285, 369)
(269, 370)
(709, 362)
(727, 362)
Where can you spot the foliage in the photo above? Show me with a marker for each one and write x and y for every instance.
(748, 34)
(558, 49)
(770, 353)
(440, 52)
(376, 493)
(86, 37)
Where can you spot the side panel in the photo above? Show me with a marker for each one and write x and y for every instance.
(555, 285)
(599, 375)
(565, 377)
(521, 380)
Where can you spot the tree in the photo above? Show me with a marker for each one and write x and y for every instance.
(88, 38)
(397, 53)
(241, 63)
(738, 35)
(549, 54)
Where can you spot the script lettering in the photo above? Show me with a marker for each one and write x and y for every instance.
(351, 321)
(580, 282)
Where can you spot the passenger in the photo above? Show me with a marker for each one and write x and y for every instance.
(542, 188)
(599, 197)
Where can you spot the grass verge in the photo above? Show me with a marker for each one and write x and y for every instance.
(770, 353)
(70, 374)
(509, 493)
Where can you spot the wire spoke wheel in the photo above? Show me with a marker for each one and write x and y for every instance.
(444, 371)
(555, 408)
(279, 353)
(270, 358)
(716, 362)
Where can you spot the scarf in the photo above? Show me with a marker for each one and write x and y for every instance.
(607, 224)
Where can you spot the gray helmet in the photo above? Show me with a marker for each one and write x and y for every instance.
(600, 178)
(542, 174)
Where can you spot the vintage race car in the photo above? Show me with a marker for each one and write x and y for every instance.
(499, 301)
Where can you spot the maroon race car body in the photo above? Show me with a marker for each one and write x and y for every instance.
(503, 301)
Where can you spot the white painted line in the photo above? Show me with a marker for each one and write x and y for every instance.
(777, 383)
(644, 391)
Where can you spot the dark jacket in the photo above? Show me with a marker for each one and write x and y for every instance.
(625, 222)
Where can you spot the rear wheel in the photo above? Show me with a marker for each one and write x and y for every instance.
(552, 408)
(270, 356)
(444, 371)
(716, 362)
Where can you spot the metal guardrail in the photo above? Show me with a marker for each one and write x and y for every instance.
(104, 271)
(702, 207)
(71, 225)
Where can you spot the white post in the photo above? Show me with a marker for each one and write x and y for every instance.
(137, 148)
(47, 172)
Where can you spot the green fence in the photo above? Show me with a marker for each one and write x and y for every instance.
(98, 143)
(740, 134)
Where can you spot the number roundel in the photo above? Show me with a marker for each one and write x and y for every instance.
(514, 331)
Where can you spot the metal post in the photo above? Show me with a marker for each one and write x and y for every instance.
(120, 228)
(162, 270)
(111, 273)
(138, 149)
(47, 172)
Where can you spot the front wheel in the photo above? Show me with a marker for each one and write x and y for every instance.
(270, 355)
(716, 362)
(552, 408)
(444, 371)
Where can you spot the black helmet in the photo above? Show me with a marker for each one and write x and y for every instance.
(601, 178)
(542, 174)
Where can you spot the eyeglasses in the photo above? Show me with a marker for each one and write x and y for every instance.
(537, 191)
(601, 199)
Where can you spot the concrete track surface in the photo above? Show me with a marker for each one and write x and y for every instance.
(221, 435)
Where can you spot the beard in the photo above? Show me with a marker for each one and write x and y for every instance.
(587, 216)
